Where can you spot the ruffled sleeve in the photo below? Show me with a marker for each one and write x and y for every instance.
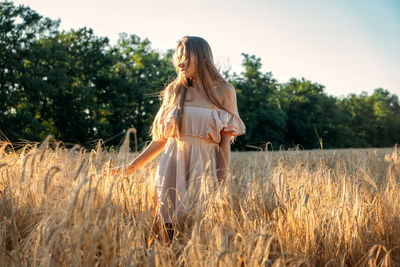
(164, 124)
(231, 122)
(223, 121)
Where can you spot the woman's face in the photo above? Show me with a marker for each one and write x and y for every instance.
(185, 67)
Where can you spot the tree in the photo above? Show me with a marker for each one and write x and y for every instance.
(20, 29)
(78, 88)
(386, 108)
(258, 105)
(141, 73)
(375, 119)
(313, 118)
(59, 83)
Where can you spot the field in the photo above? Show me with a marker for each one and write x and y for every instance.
(60, 207)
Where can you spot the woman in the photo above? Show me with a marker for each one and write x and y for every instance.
(193, 129)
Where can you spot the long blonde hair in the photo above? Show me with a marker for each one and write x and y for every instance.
(174, 95)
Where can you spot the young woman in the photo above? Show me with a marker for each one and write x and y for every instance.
(193, 129)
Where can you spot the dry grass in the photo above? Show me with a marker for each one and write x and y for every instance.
(306, 208)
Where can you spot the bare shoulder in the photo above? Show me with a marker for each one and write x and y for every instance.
(226, 95)
(227, 90)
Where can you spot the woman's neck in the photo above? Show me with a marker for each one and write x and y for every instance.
(192, 82)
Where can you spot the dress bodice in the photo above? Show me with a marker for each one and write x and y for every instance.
(204, 123)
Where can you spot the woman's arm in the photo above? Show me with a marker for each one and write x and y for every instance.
(227, 96)
(224, 156)
(151, 151)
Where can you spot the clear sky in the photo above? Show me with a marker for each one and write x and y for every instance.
(348, 46)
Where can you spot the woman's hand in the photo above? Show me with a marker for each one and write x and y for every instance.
(222, 175)
(122, 170)
(118, 171)
(148, 154)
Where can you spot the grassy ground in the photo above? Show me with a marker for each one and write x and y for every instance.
(309, 208)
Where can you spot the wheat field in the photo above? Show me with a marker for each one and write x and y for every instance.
(60, 207)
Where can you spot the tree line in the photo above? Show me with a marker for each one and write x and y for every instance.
(79, 88)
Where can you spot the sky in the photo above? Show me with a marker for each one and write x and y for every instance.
(347, 46)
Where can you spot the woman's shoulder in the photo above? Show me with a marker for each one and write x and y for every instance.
(226, 94)
(224, 88)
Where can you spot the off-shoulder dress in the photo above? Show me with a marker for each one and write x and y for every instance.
(188, 165)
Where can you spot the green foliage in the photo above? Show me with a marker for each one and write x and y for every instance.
(312, 116)
(79, 88)
(141, 73)
(258, 105)
(374, 119)
(20, 29)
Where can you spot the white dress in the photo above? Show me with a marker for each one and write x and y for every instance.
(189, 165)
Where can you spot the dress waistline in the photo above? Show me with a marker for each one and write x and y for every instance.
(193, 139)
